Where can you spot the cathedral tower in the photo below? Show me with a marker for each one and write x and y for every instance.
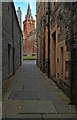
(29, 23)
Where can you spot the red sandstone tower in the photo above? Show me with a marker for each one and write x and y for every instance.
(29, 23)
(28, 28)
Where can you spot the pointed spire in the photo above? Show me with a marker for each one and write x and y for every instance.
(29, 15)
(28, 10)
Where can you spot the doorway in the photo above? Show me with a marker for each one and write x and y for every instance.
(53, 55)
(61, 61)
(9, 50)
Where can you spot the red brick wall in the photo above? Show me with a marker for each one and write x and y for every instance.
(29, 26)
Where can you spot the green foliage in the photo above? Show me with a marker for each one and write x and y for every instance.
(29, 57)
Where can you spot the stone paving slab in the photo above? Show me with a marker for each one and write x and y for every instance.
(34, 87)
(33, 93)
(52, 88)
(36, 90)
(59, 116)
(24, 95)
(30, 83)
(42, 88)
(29, 62)
(17, 88)
(48, 95)
(29, 80)
(63, 107)
(37, 106)
(42, 116)
(22, 116)
(18, 83)
(63, 96)
(26, 86)
(10, 106)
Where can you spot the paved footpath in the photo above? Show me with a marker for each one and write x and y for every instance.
(32, 95)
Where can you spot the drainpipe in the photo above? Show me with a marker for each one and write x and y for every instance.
(36, 38)
(41, 60)
(13, 40)
(48, 39)
(72, 56)
(20, 50)
(44, 45)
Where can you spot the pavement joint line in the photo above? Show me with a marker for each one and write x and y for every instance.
(55, 106)
(44, 113)
(35, 83)
(10, 94)
(23, 88)
(41, 115)
(31, 113)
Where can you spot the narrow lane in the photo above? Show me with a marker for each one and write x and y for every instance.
(33, 95)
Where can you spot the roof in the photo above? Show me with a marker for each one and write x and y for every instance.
(29, 15)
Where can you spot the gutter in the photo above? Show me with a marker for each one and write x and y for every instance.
(72, 79)
(48, 39)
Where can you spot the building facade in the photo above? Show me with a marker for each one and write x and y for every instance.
(55, 39)
(29, 34)
(11, 41)
(30, 47)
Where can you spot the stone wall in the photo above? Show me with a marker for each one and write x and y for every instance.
(75, 50)
(61, 23)
(30, 47)
(28, 26)
(11, 41)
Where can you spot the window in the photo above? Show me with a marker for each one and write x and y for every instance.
(58, 60)
(54, 3)
(58, 74)
(66, 65)
(8, 8)
(66, 78)
(67, 48)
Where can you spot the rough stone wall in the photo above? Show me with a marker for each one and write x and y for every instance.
(75, 50)
(29, 25)
(30, 44)
(0, 47)
(59, 15)
(60, 22)
(41, 35)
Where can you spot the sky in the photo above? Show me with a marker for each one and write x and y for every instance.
(23, 4)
